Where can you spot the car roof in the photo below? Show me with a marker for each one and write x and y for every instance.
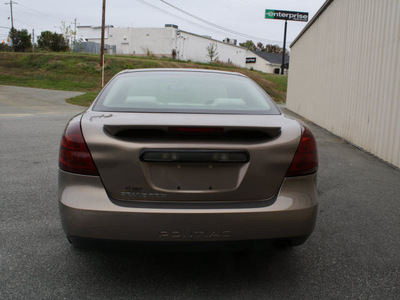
(180, 70)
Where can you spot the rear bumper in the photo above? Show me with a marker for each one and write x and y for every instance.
(86, 211)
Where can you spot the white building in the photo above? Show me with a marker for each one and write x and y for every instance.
(345, 73)
(266, 62)
(168, 41)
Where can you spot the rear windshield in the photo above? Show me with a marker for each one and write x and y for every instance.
(186, 92)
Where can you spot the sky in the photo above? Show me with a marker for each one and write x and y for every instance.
(236, 19)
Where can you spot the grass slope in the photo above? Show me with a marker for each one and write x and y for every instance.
(81, 72)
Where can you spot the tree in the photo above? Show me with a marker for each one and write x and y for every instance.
(212, 53)
(67, 32)
(272, 48)
(52, 41)
(174, 54)
(20, 39)
(249, 45)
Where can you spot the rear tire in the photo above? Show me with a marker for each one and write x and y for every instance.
(78, 243)
(292, 242)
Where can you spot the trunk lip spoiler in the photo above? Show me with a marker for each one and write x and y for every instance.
(115, 129)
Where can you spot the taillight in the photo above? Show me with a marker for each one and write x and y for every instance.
(74, 154)
(305, 160)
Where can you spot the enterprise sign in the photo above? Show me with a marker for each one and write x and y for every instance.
(286, 15)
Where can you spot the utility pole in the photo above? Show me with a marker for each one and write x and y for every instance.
(284, 50)
(75, 23)
(33, 40)
(12, 17)
(103, 24)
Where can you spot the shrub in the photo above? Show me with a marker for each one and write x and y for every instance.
(52, 41)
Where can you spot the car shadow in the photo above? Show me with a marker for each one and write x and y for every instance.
(171, 273)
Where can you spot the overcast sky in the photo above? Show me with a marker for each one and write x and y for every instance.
(244, 17)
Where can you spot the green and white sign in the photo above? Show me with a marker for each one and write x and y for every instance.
(269, 14)
(286, 15)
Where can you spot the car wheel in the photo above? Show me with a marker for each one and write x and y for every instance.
(291, 242)
(78, 243)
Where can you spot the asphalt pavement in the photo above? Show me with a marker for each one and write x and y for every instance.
(353, 253)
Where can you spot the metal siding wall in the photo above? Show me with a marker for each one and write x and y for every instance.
(345, 74)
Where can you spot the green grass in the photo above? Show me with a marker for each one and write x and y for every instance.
(84, 99)
(82, 72)
(67, 83)
(279, 80)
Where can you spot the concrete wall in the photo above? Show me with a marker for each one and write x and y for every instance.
(142, 41)
(194, 47)
(92, 32)
(138, 41)
(345, 74)
(161, 42)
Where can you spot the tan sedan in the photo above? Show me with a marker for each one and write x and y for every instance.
(186, 156)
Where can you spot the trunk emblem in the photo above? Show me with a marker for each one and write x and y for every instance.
(144, 195)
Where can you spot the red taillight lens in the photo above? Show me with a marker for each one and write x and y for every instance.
(305, 160)
(74, 154)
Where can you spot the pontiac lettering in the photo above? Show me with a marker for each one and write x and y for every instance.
(176, 234)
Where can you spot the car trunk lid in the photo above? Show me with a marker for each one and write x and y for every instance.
(190, 157)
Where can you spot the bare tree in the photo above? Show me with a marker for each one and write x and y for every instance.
(67, 32)
(273, 48)
(260, 46)
(212, 53)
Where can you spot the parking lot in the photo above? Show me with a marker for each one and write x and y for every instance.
(353, 253)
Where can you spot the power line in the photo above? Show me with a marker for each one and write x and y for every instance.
(216, 25)
(40, 28)
(17, 20)
(169, 13)
(195, 23)
(38, 12)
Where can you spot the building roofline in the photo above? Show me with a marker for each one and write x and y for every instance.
(173, 28)
(208, 38)
(92, 26)
(316, 16)
(259, 54)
